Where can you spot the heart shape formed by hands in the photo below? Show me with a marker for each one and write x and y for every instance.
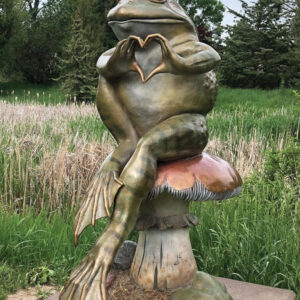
(143, 44)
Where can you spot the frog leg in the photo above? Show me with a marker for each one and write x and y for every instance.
(105, 184)
(177, 137)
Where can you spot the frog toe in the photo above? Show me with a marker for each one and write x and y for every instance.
(100, 197)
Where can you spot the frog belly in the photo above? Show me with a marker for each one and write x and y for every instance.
(165, 95)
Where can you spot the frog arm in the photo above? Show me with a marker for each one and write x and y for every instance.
(105, 185)
(200, 59)
(103, 68)
(104, 58)
(186, 58)
(120, 60)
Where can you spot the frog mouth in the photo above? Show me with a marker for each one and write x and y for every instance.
(155, 21)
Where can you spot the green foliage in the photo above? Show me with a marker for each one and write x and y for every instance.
(33, 246)
(204, 12)
(46, 34)
(38, 33)
(284, 165)
(6, 21)
(297, 95)
(12, 33)
(296, 23)
(94, 17)
(40, 275)
(260, 50)
(78, 76)
(296, 37)
(207, 15)
(255, 237)
(246, 238)
(19, 92)
(97, 34)
(42, 294)
(10, 279)
(247, 112)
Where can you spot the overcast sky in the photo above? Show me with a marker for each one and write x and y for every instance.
(234, 4)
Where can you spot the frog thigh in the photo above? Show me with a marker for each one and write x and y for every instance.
(177, 137)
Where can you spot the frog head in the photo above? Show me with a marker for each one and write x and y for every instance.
(144, 17)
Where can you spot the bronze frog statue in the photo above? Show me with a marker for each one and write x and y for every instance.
(155, 88)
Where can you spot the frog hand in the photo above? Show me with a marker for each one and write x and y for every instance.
(99, 198)
(123, 59)
(171, 62)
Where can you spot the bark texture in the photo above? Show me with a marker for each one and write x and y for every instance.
(164, 259)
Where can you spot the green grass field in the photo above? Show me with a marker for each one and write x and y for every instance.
(50, 151)
(23, 92)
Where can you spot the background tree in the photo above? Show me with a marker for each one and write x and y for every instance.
(6, 21)
(99, 35)
(296, 37)
(207, 16)
(89, 38)
(35, 34)
(259, 50)
(46, 37)
(12, 33)
(78, 77)
(33, 7)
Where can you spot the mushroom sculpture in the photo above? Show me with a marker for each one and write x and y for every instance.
(164, 258)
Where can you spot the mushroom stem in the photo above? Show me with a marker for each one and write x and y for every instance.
(164, 259)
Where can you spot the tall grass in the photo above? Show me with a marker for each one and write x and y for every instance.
(254, 238)
(38, 245)
(13, 92)
(49, 152)
(45, 160)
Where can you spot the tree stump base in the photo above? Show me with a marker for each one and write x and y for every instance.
(164, 259)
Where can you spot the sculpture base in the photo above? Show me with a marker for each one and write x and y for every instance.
(240, 290)
(125, 288)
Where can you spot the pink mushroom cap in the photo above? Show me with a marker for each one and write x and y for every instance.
(199, 178)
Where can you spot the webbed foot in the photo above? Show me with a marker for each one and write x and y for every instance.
(100, 197)
(88, 279)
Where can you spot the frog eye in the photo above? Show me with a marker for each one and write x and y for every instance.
(158, 1)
